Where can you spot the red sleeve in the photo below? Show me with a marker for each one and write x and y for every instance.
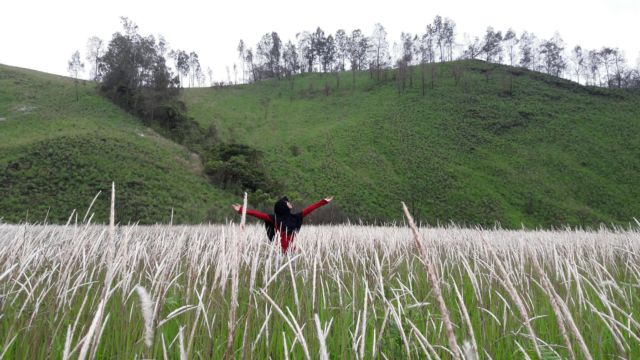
(309, 209)
(255, 213)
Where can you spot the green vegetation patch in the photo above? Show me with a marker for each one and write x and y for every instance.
(467, 141)
(57, 153)
(54, 177)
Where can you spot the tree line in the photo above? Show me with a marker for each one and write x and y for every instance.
(318, 51)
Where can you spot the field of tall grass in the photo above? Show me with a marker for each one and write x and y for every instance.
(223, 291)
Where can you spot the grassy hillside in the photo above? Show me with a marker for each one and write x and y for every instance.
(485, 143)
(57, 153)
(542, 152)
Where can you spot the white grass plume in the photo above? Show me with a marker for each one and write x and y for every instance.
(146, 307)
(435, 284)
(67, 344)
(97, 320)
(468, 350)
(322, 338)
(183, 353)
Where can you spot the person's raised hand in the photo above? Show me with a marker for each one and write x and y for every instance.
(236, 207)
(328, 199)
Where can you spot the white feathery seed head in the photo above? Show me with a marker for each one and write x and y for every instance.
(146, 307)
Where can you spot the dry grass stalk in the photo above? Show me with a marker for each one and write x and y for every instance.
(293, 325)
(88, 339)
(564, 310)
(249, 313)
(284, 345)
(435, 284)
(194, 327)
(112, 214)
(86, 214)
(6, 273)
(7, 346)
(513, 293)
(67, 344)
(236, 246)
(324, 355)
(313, 282)
(396, 318)
(364, 319)
(183, 353)
(165, 356)
(465, 313)
(99, 336)
(431, 352)
(243, 219)
(554, 306)
(617, 335)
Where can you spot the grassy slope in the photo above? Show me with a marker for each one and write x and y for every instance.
(553, 153)
(56, 154)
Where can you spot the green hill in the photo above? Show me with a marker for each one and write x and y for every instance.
(485, 143)
(57, 153)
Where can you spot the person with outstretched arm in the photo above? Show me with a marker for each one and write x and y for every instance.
(283, 222)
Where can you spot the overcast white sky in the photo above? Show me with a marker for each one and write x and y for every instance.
(42, 35)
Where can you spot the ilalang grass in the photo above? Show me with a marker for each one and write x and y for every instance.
(347, 292)
(435, 283)
(547, 152)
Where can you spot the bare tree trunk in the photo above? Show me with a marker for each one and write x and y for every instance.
(353, 85)
(424, 68)
(378, 63)
(511, 84)
(411, 77)
(433, 76)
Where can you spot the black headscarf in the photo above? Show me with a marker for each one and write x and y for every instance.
(284, 219)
